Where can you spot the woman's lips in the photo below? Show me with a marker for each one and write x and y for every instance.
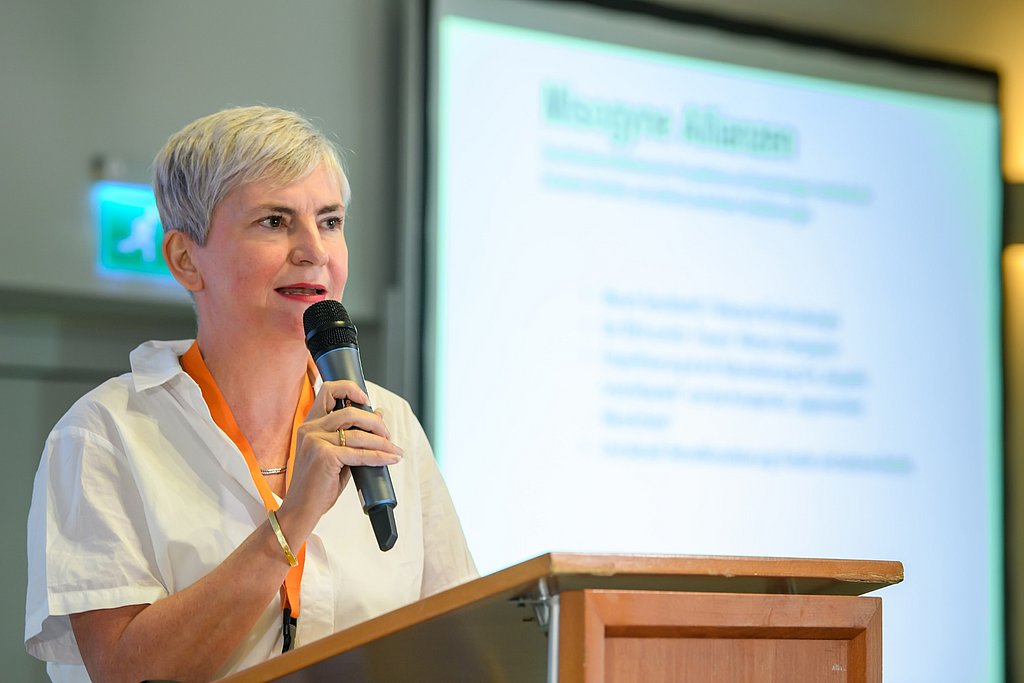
(303, 292)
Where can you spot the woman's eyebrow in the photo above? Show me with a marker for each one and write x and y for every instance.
(330, 208)
(274, 208)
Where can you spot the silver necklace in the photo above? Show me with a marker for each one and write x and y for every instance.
(273, 470)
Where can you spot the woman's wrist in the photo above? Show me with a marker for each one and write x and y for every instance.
(289, 555)
(294, 526)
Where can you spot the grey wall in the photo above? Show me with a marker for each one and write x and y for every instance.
(82, 78)
(116, 78)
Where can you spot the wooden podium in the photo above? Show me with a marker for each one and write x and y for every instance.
(588, 618)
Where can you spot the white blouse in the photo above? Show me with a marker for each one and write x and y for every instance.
(139, 494)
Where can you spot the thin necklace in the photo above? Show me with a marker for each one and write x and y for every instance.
(273, 470)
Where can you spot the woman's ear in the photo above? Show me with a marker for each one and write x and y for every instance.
(178, 248)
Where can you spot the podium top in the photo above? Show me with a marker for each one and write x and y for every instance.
(699, 573)
(487, 599)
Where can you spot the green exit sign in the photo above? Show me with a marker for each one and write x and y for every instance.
(130, 234)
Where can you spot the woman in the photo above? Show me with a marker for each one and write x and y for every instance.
(171, 503)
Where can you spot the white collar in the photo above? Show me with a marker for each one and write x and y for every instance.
(156, 362)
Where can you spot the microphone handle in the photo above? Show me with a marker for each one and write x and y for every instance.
(373, 482)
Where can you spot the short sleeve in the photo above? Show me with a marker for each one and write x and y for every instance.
(88, 546)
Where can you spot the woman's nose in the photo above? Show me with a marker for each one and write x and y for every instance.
(307, 245)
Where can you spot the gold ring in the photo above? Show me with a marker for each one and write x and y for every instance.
(341, 438)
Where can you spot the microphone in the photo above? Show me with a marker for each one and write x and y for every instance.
(332, 340)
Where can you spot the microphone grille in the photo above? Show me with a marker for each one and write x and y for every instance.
(324, 313)
(328, 326)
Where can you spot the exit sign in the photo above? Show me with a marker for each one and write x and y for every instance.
(129, 230)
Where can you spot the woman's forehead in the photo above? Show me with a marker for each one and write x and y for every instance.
(319, 186)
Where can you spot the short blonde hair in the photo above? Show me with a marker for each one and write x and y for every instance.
(205, 160)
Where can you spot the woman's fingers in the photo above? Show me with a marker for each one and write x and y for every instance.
(333, 394)
(355, 437)
(332, 439)
(355, 418)
(334, 401)
(358, 447)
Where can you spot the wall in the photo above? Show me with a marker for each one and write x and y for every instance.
(116, 77)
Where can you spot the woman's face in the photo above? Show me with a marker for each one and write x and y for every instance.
(271, 251)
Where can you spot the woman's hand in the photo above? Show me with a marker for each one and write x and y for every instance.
(322, 455)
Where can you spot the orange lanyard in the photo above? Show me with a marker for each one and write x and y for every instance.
(192, 362)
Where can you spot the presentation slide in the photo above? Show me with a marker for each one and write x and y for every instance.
(693, 307)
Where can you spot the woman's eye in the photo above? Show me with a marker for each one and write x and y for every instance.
(272, 222)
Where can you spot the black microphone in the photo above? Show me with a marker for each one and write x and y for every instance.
(332, 340)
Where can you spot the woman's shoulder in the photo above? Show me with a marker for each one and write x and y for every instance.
(154, 364)
(91, 410)
(398, 414)
(383, 398)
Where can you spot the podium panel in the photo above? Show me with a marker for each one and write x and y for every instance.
(659, 637)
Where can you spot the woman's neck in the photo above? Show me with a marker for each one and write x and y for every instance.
(261, 383)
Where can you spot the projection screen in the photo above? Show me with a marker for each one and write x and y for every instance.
(698, 289)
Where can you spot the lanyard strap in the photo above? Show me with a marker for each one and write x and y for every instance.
(192, 362)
